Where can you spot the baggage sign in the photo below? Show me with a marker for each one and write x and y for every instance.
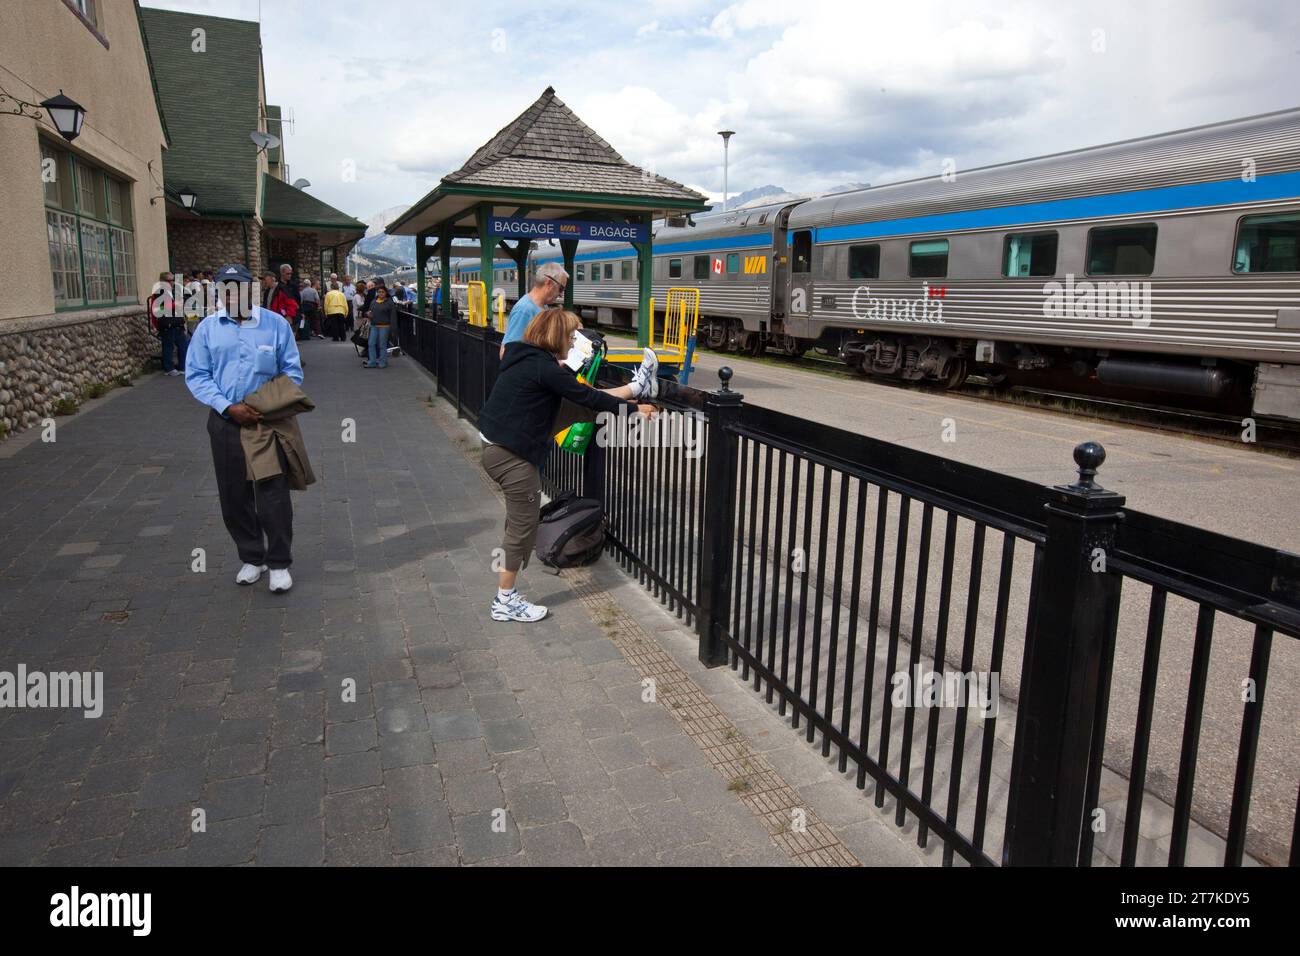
(509, 227)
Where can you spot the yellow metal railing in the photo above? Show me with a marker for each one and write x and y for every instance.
(476, 300)
(500, 296)
(681, 317)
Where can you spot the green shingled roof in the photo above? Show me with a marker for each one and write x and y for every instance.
(282, 205)
(209, 103)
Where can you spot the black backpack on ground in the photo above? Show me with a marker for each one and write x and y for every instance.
(571, 531)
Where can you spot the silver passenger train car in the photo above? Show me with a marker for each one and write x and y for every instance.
(1169, 263)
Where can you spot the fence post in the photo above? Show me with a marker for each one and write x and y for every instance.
(1074, 598)
(721, 409)
(461, 326)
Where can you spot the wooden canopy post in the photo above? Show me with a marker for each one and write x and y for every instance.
(422, 255)
(444, 262)
(487, 245)
(570, 249)
(645, 266)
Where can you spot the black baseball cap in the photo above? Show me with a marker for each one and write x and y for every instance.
(234, 273)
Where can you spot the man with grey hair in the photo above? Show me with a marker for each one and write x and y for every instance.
(548, 285)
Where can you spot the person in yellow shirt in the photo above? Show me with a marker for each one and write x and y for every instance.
(336, 313)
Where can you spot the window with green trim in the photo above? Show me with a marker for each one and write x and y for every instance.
(928, 259)
(733, 263)
(701, 266)
(609, 270)
(582, 273)
(674, 268)
(595, 272)
(89, 231)
(625, 270)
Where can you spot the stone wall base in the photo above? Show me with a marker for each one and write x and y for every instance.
(59, 360)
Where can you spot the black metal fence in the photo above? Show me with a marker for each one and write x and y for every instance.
(1024, 671)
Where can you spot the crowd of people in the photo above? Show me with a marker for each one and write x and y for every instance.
(363, 311)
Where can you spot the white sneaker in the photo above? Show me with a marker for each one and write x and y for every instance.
(516, 609)
(645, 380)
(249, 574)
(280, 580)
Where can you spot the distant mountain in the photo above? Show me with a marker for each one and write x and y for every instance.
(399, 249)
(767, 195)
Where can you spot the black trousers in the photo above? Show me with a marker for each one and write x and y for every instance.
(258, 515)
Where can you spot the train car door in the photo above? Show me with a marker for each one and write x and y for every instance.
(800, 282)
(780, 277)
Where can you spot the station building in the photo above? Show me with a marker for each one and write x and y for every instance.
(213, 92)
(85, 220)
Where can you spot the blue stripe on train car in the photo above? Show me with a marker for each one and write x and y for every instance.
(672, 248)
(1138, 202)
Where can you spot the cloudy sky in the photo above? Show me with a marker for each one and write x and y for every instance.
(820, 93)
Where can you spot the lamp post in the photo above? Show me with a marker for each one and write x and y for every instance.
(726, 135)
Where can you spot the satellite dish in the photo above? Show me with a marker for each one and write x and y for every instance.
(301, 183)
(264, 140)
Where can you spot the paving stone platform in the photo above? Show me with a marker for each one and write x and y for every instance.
(374, 714)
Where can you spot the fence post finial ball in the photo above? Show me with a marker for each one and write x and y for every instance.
(724, 376)
(1088, 456)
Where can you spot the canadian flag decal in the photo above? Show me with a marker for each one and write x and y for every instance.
(717, 266)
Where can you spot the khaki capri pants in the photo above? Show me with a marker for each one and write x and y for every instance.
(522, 485)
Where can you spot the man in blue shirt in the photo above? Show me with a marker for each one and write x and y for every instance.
(234, 352)
(548, 286)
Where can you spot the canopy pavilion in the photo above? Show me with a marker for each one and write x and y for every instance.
(545, 175)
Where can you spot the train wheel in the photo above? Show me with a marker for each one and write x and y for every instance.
(956, 373)
(716, 336)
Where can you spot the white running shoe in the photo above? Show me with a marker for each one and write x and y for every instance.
(280, 580)
(645, 380)
(249, 574)
(516, 609)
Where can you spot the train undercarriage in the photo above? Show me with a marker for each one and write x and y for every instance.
(949, 362)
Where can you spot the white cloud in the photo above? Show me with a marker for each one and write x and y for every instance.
(819, 92)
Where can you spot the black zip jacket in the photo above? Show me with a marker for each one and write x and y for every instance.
(520, 413)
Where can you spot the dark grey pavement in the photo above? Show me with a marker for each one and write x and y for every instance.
(372, 715)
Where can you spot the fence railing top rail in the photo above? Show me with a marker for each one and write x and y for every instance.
(1002, 501)
(1255, 582)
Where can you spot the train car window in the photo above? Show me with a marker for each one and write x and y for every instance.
(1122, 250)
(1029, 254)
(625, 270)
(674, 268)
(864, 262)
(582, 273)
(701, 267)
(928, 259)
(609, 270)
(733, 263)
(595, 272)
(762, 219)
(801, 254)
(1268, 244)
